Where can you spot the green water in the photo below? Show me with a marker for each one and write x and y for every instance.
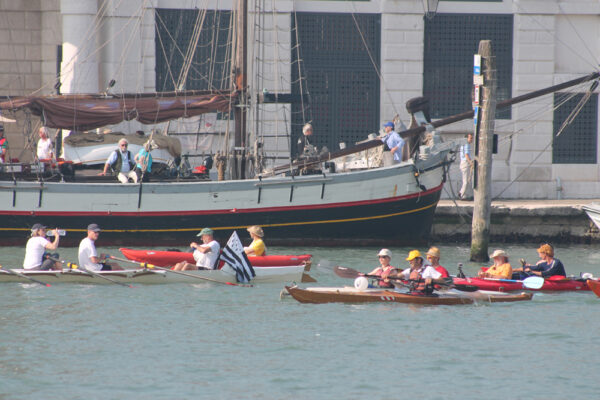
(204, 341)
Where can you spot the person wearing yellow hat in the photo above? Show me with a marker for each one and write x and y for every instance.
(420, 276)
(547, 265)
(257, 247)
(501, 268)
(385, 269)
(205, 254)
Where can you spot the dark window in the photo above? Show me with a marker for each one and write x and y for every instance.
(577, 143)
(210, 65)
(342, 82)
(451, 40)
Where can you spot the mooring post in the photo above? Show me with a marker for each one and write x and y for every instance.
(480, 228)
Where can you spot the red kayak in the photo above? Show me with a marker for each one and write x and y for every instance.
(169, 258)
(594, 285)
(552, 283)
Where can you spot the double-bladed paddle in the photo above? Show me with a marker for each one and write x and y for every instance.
(532, 282)
(150, 266)
(351, 273)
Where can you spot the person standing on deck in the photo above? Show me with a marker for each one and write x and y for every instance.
(45, 149)
(143, 161)
(205, 254)
(88, 256)
(36, 250)
(385, 269)
(122, 163)
(257, 247)
(3, 145)
(466, 168)
(393, 141)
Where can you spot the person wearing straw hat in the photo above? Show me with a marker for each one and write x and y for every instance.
(433, 256)
(257, 247)
(385, 269)
(501, 268)
(420, 276)
(36, 250)
(206, 254)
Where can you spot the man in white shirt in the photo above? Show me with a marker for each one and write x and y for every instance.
(205, 254)
(36, 248)
(122, 163)
(45, 149)
(88, 256)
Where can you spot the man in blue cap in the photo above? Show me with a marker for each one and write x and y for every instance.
(393, 141)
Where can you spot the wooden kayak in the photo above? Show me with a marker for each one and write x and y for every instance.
(352, 295)
(594, 285)
(148, 276)
(170, 258)
(551, 284)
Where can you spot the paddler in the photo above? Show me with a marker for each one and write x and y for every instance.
(88, 255)
(421, 277)
(36, 250)
(501, 268)
(385, 269)
(205, 254)
(545, 267)
(257, 247)
(433, 257)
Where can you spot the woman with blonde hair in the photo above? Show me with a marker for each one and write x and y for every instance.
(257, 247)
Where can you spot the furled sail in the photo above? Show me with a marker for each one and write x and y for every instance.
(84, 112)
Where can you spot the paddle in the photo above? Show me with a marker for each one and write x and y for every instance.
(532, 282)
(89, 272)
(150, 266)
(20, 275)
(351, 273)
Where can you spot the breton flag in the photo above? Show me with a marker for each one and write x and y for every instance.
(234, 255)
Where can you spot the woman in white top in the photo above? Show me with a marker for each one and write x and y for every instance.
(36, 248)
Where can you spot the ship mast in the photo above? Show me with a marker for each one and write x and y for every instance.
(241, 85)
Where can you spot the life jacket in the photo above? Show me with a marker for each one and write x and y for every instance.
(116, 166)
(417, 283)
(381, 282)
(442, 271)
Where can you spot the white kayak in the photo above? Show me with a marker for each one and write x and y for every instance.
(152, 276)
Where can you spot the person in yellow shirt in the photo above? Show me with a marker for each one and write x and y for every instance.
(257, 247)
(501, 268)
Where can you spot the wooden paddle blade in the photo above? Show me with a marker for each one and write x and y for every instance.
(306, 278)
(345, 272)
(465, 288)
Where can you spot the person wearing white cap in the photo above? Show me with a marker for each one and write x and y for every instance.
(36, 248)
(501, 268)
(205, 254)
(257, 247)
(385, 269)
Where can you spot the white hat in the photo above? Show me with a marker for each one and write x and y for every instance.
(498, 253)
(384, 253)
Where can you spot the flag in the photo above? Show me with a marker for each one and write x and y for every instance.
(234, 255)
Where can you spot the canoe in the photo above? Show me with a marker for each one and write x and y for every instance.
(551, 284)
(271, 274)
(169, 258)
(352, 295)
(594, 285)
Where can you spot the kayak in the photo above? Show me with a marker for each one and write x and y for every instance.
(553, 283)
(169, 258)
(594, 285)
(270, 274)
(348, 294)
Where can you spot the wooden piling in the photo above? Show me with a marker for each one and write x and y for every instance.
(480, 227)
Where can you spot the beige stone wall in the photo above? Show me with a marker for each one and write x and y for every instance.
(29, 35)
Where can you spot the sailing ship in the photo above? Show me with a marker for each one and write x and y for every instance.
(357, 199)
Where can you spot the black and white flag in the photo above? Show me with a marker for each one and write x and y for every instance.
(234, 255)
